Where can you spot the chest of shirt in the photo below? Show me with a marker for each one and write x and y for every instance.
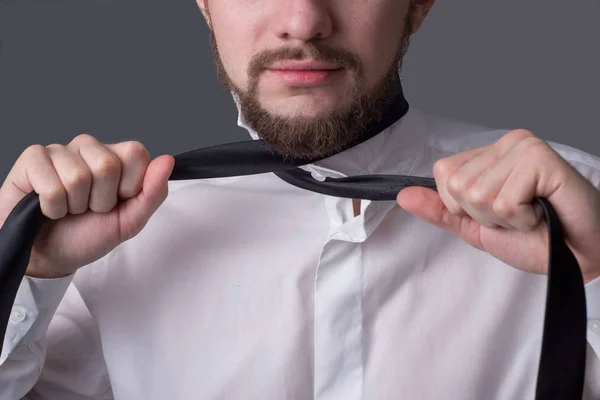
(302, 298)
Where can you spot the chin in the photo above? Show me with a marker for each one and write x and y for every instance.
(306, 106)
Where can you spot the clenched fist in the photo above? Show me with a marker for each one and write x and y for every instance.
(95, 195)
(486, 197)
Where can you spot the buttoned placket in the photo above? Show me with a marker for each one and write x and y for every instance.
(338, 325)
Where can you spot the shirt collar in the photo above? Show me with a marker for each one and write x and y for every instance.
(394, 150)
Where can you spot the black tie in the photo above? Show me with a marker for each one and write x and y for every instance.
(562, 362)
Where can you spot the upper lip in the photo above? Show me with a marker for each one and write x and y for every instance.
(303, 65)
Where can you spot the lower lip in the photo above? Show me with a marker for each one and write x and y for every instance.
(305, 78)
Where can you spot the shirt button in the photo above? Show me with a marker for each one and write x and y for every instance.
(595, 325)
(18, 314)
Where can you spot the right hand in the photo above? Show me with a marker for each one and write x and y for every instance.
(95, 195)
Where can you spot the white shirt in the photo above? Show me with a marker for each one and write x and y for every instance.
(248, 288)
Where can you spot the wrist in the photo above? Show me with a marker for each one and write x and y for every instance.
(588, 279)
(38, 272)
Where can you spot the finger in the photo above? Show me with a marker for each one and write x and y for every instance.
(514, 202)
(33, 171)
(514, 138)
(106, 173)
(465, 188)
(427, 205)
(134, 158)
(477, 182)
(492, 182)
(135, 212)
(444, 168)
(74, 175)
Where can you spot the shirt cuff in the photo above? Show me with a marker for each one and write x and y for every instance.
(35, 304)
(592, 294)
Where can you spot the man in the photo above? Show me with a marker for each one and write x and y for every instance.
(251, 288)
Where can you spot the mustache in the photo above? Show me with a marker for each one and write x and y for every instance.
(317, 52)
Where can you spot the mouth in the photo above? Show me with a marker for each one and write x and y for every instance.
(305, 73)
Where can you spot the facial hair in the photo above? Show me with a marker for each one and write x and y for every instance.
(331, 131)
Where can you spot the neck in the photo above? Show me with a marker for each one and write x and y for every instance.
(394, 111)
(356, 207)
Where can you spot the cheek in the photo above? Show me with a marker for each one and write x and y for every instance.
(234, 56)
(378, 39)
(235, 33)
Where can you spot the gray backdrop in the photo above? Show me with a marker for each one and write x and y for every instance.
(142, 70)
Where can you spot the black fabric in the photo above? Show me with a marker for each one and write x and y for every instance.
(562, 361)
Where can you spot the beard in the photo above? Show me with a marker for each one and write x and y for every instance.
(333, 130)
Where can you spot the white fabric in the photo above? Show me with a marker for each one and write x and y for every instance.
(248, 288)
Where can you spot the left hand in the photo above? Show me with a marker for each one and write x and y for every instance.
(486, 197)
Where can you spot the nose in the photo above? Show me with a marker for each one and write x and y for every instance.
(303, 20)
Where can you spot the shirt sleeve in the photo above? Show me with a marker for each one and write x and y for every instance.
(592, 294)
(51, 348)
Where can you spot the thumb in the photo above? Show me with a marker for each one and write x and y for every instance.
(155, 187)
(427, 204)
(136, 211)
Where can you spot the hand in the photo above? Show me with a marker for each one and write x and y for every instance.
(95, 195)
(486, 197)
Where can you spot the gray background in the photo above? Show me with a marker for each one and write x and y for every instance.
(142, 70)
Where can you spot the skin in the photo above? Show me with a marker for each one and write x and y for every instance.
(101, 195)
(245, 28)
(299, 114)
(485, 195)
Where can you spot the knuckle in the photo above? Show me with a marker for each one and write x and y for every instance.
(536, 150)
(35, 151)
(534, 140)
(456, 185)
(519, 134)
(477, 197)
(135, 150)
(450, 204)
(106, 165)
(53, 203)
(440, 166)
(536, 144)
(503, 208)
(77, 178)
(514, 137)
(55, 194)
(83, 138)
